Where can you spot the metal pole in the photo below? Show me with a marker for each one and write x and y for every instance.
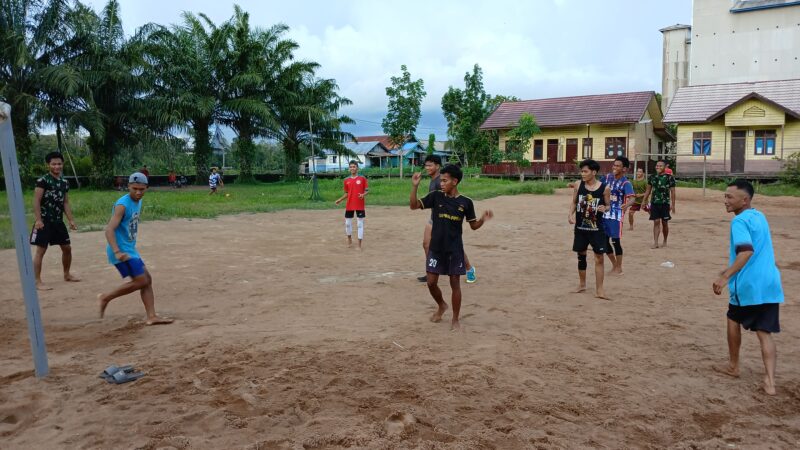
(704, 173)
(20, 229)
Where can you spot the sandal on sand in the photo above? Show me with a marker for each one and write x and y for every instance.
(120, 374)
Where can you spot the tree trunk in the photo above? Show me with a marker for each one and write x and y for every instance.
(102, 151)
(202, 150)
(291, 149)
(246, 150)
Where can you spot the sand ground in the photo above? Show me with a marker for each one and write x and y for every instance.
(285, 339)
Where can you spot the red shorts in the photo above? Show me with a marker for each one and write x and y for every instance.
(635, 207)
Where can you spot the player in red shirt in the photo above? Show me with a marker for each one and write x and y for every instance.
(355, 190)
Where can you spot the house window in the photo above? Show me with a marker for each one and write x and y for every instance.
(587, 148)
(765, 142)
(538, 149)
(333, 159)
(615, 146)
(660, 148)
(701, 143)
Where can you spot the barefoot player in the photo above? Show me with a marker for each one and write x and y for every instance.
(753, 280)
(355, 191)
(662, 186)
(589, 200)
(639, 187)
(446, 254)
(50, 203)
(614, 218)
(121, 234)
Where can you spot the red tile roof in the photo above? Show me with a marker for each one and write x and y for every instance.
(565, 111)
(383, 139)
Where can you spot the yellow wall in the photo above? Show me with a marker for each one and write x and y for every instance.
(598, 133)
(736, 116)
(788, 138)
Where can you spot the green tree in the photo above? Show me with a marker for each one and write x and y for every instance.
(403, 111)
(520, 138)
(431, 144)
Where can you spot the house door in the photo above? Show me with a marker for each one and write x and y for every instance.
(552, 150)
(572, 150)
(738, 146)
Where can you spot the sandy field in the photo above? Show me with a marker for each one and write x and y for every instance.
(285, 339)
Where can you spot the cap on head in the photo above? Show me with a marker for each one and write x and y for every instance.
(137, 177)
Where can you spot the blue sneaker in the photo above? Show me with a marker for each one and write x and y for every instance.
(471, 275)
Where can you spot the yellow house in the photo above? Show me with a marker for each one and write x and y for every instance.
(741, 128)
(600, 127)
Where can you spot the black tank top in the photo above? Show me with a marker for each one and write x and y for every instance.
(587, 218)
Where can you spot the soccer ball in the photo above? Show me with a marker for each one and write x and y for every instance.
(227, 195)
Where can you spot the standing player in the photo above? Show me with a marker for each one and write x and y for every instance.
(589, 200)
(214, 180)
(614, 218)
(753, 280)
(639, 187)
(662, 186)
(50, 202)
(355, 190)
(446, 254)
(121, 233)
(432, 165)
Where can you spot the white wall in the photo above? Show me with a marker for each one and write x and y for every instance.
(675, 71)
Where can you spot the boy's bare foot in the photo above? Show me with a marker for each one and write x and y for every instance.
(43, 287)
(159, 321)
(769, 386)
(437, 316)
(72, 278)
(726, 370)
(664, 244)
(601, 293)
(349, 241)
(654, 246)
(630, 228)
(455, 326)
(616, 271)
(102, 303)
(579, 289)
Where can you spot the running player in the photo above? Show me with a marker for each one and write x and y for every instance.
(432, 165)
(214, 180)
(446, 253)
(121, 233)
(355, 191)
(50, 202)
(589, 200)
(662, 186)
(622, 198)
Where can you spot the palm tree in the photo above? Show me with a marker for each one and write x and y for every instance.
(308, 100)
(32, 38)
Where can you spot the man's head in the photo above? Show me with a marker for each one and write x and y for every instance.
(639, 173)
(620, 165)
(55, 162)
(738, 196)
(432, 164)
(137, 185)
(660, 166)
(353, 166)
(451, 177)
(589, 169)
(213, 170)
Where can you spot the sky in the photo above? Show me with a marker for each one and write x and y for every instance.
(529, 49)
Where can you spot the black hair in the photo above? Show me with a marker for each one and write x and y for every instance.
(743, 185)
(53, 155)
(434, 159)
(662, 160)
(453, 171)
(625, 161)
(591, 164)
(352, 161)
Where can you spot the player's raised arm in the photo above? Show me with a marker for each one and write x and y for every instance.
(413, 201)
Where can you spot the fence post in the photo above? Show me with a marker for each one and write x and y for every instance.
(20, 229)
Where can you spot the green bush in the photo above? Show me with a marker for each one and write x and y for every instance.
(791, 170)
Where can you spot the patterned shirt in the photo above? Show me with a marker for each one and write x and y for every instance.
(587, 218)
(621, 190)
(55, 192)
(661, 186)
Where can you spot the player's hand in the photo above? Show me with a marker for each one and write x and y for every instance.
(361, 195)
(601, 208)
(571, 219)
(487, 215)
(338, 201)
(416, 178)
(72, 225)
(38, 225)
(122, 256)
(719, 285)
(673, 209)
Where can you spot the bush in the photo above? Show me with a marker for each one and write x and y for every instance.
(791, 170)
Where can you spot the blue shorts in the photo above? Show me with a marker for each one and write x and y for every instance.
(131, 268)
(612, 228)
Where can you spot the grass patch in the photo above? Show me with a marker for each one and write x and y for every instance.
(92, 208)
(775, 189)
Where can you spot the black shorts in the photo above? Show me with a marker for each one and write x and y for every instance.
(597, 239)
(446, 263)
(360, 213)
(660, 211)
(762, 317)
(53, 233)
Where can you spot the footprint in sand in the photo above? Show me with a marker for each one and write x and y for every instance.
(399, 423)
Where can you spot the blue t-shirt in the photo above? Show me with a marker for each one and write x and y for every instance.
(759, 281)
(127, 230)
(620, 190)
(213, 180)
